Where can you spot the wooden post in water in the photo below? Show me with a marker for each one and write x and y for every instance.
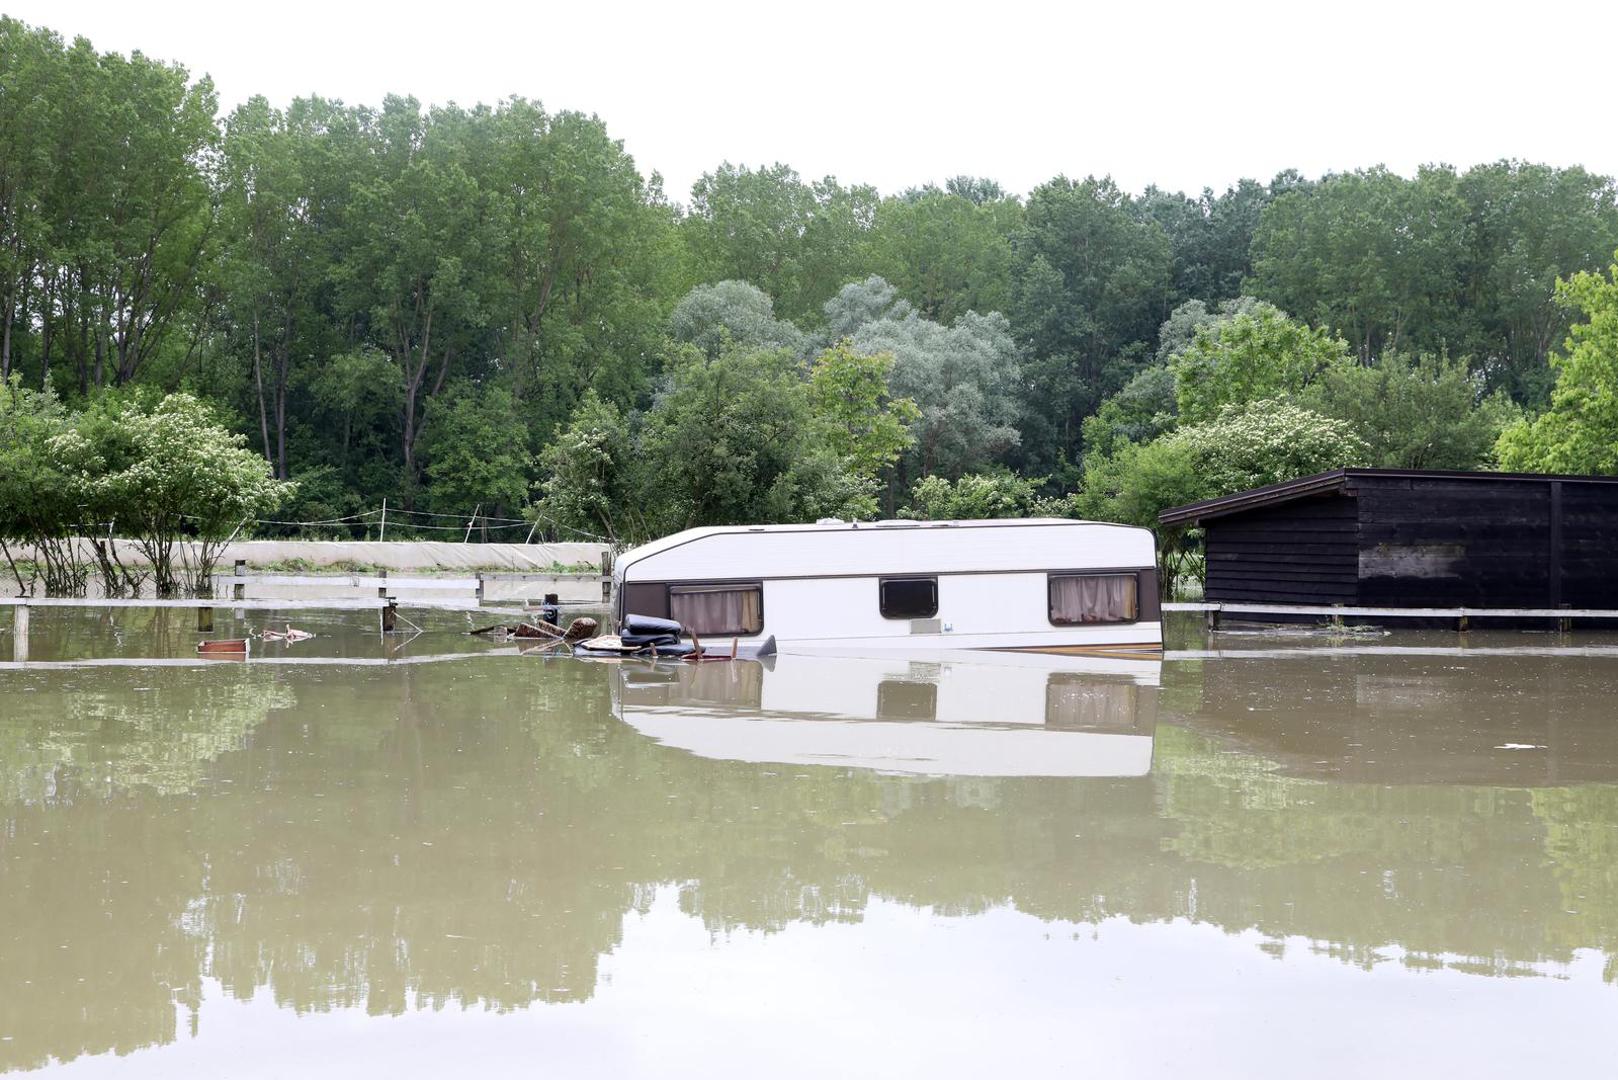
(19, 633)
(204, 620)
(390, 609)
(480, 589)
(239, 590)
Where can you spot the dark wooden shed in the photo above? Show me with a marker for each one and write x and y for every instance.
(1409, 538)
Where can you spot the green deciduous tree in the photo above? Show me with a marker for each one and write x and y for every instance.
(1243, 446)
(1258, 354)
(46, 468)
(1144, 409)
(732, 440)
(271, 263)
(581, 256)
(1579, 432)
(946, 253)
(104, 205)
(595, 479)
(982, 495)
(1530, 224)
(731, 314)
(797, 241)
(477, 452)
(1377, 257)
(1423, 412)
(421, 240)
(171, 472)
(963, 377)
(1091, 284)
(1210, 236)
(854, 410)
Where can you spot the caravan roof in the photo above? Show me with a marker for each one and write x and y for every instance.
(889, 547)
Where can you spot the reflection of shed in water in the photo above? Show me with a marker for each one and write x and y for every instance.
(1402, 538)
(1506, 717)
(995, 714)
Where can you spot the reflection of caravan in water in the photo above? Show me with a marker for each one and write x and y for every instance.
(905, 585)
(990, 714)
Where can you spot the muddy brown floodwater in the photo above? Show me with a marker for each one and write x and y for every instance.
(1265, 856)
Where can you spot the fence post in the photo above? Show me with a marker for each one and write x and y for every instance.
(239, 590)
(204, 620)
(19, 633)
(383, 535)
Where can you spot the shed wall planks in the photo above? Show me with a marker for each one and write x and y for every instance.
(1299, 552)
(1424, 541)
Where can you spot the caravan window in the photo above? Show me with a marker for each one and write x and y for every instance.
(1081, 599)
(909, 598)
(733, 610)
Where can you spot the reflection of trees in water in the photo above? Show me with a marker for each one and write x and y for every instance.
(93, 957)
(475, 834)
(439, 860)
(1581, 839)
(116, 729)
(1300, 791)
(70, 634)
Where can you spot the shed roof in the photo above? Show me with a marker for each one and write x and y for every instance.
(1339, 482)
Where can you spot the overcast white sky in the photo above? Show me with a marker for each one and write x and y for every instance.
(1181, 94)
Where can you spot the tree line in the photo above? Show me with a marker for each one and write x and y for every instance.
(493, 306)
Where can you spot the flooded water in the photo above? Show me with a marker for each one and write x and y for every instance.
(356, 856)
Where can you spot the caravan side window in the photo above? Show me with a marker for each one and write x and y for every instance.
(720, 610)
(1083, 599)
(908, 598)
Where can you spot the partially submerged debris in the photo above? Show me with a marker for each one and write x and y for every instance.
(645, 636)
(581, 629)
(291, 635)
(577, 630)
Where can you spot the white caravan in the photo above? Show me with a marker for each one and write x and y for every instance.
(973, 714)
(1036, 583)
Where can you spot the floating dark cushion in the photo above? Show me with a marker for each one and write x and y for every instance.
(650, 624)
(648, 639)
